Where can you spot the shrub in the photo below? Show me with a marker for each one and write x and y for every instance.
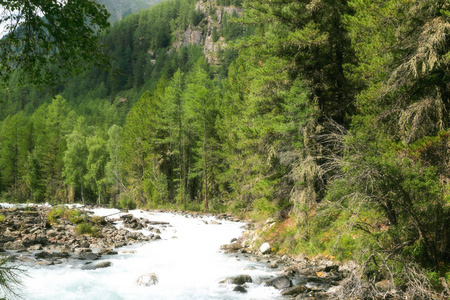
(263, 209)
(98, 220)
(126, 203)
(55, 213)
(87, 228)
(58, 212)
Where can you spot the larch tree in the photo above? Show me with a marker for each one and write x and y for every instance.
(200, 98)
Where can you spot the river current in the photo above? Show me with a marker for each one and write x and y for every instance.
(187, 262)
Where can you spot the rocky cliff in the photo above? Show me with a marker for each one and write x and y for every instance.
(207, 32)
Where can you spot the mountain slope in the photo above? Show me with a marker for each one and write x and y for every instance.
(121, 8)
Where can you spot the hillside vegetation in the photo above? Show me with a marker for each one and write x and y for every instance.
(329, 116)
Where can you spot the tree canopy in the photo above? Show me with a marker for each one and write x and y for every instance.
(48, 41)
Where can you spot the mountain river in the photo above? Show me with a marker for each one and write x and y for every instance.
(187, 261)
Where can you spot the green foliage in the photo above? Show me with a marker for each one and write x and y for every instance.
(62, 212)
(2, 218)
(57, 42)
(263, 209)
(126, 202)
(10, 279)
(87, 228)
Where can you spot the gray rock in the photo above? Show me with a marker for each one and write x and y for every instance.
(273, 265)
(62, 254)
(88, 256)
(294, 291)
(99, 265)
(108, 252)
(155, 230)
(265, 248)
(26, 258)
(103, 264)
(51, 233)
(45, 263)
(85, 244)
(147, 279)
(281, 282)
(232, 247)
(17, 245)
(35, 247)
(79, 251)
(43, 255)
(239, 280)
(330, 268)
(240, 289)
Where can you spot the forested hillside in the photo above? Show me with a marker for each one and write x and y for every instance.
(119, 9)
(329, 116)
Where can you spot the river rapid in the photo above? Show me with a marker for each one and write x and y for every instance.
(187, 262)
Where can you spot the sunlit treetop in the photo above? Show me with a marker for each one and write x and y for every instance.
(50, 40)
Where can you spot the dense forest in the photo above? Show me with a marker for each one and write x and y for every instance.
(329, 116)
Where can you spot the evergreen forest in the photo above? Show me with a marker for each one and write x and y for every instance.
(330, 117)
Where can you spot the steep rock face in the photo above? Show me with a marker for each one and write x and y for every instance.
(192, 36)
(202, 34)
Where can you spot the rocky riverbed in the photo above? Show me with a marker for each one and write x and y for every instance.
(29, 235)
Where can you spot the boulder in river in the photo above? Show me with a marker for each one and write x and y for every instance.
(239, 279)
(99, 265)
(294, 291)
(280, 282)
(232, 247)
(88, 256)
(147, 279)
(240, 289)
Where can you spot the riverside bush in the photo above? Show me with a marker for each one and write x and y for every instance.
(74, 216)
(87, 228)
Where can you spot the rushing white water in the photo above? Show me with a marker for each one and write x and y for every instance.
(187, 262)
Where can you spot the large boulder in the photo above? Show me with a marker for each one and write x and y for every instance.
(294, 291)
(147, 279)
(265, 248)
(280, 282)
(240, 289)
